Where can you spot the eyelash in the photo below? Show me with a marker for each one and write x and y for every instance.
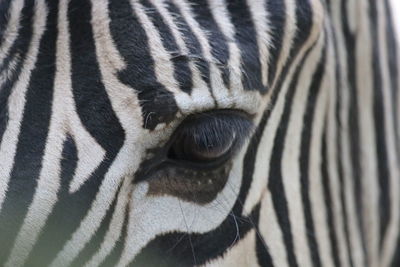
(217, 128)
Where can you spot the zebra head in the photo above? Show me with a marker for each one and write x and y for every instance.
(192, 132)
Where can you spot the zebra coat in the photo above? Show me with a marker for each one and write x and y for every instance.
(199, 132)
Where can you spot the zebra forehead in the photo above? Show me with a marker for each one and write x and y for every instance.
(194, 55)
(180, 56)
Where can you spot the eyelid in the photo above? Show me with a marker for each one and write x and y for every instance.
(214, 125)
(216, 122)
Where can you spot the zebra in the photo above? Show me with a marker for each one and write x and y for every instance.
(199, 132)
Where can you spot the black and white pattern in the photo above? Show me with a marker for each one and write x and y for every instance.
(199, 132)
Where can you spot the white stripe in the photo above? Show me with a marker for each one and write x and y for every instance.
(11, 32)
(395, 8)
(332, 161)
(392, 232)
(176, 215)
(290, 163)
(396, 25)
(262, 26)
(271, 232)
(348, 176)
(115, 229)
(16, 103)
(49, 180)
(217, 84)
(200, 89)
(64, 119)
(163, 67)
(221, 17)
(288, 36)
(6, 74)
(318, 208)
(398, 89)
(242, 254)
(200, 97)
(125, 105)
(90, 153)
(263, 157)
(368, 151)
(351, 7)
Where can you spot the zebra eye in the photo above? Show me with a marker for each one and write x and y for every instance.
(210, 138)
(195, 147)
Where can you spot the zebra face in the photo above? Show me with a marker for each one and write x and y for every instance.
(130, 130)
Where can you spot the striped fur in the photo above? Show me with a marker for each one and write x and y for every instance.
(93, 91)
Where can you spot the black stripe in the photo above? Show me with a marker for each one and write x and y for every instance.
(263, 257)
(353, 124)
(113, 258)
(217, 41)
(304, 23)
(392, 49)
(98, 238)
(328, 200)
(3, 120)
(67, 214)
(192, 43)
(15, 54)
(396, 258)
(308, 121)
(183, 249)
(32, 138)
(275, 181)
(182, 72)
(4, 18)
(342, 184)
(250, 156)
(158, 104)
(92, 101)
(96, 114)
(68, 165)
(246, 36)
(328, 6)
(380, 130)
(166, 250)
(20, 48)
(339, 158)
(276, 11)
(249, 159)
(24, 35)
